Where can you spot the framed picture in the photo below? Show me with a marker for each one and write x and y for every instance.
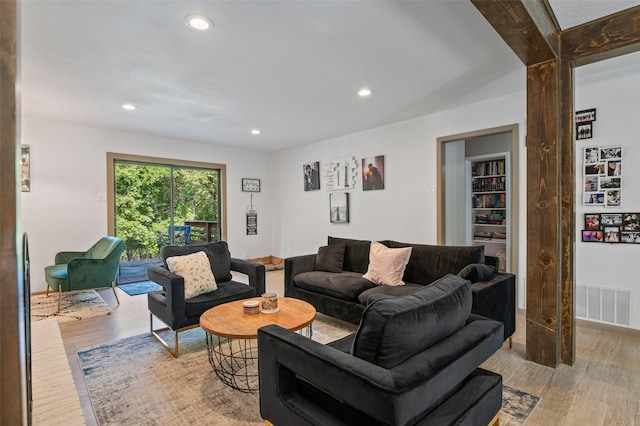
(632, 237)
(250, 185)
(584, 130)
(339, 207)
(591, 155)
(591, 184)
(586, 115)
(592, 221)
(25, 165)
(592, 236)
(611, 153)
(613, 198)
(611, 219)
(596, 169)
(631, 221)
(311, 172)
(610, 183)
(611, 234)
(373, 173)
(594, 198)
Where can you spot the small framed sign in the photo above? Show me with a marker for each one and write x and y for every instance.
(250, 185)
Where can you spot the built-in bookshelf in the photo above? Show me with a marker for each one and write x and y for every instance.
(488, 198)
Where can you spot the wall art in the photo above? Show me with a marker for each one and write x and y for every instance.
(373, 173)
(603, 176)
(25, 165)
(611, 228)
(250, 185)
(311, 175)
(339, 207)
(339, 174)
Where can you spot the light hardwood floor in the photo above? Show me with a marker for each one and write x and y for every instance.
(601, 388)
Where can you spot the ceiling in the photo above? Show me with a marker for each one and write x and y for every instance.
(288, 68)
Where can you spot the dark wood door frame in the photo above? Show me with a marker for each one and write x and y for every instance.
(13, 400)
(550, 55)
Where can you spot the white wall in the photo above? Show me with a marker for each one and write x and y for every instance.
(68, 170)
(612, 88)
(404, 210)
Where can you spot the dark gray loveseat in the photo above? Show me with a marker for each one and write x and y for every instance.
(333, 283)
(412, 361)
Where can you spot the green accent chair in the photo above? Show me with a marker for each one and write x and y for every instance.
(84, 270)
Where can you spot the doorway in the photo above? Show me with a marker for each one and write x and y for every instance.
(456, 216)
(156, 202)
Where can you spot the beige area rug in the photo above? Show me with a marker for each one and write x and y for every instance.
(74, 306)
(135, 381)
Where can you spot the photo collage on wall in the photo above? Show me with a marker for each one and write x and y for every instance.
(611, 228)
(603, 176)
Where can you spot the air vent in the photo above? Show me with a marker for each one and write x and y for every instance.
(603, 304)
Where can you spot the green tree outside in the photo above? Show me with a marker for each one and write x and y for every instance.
(143, 203)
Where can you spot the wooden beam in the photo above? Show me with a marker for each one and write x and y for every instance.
(518, 27)
(543, 213)
(605, 38)
(567, 216)
(13, 407)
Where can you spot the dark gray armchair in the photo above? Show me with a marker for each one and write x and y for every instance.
(179, 314)
(412, 361)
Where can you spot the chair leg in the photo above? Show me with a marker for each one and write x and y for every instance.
(113, 287)
(154, 333)
(47, 293)
(510, 342)
(59, 295)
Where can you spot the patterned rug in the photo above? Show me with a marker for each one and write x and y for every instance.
(140, 287)
(135, 381)
(74, 306)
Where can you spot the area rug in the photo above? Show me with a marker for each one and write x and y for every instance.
(135, 381)
(140, 287)
(74, 306)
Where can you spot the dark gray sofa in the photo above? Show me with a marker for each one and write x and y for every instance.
(338, 290)
(412, 361)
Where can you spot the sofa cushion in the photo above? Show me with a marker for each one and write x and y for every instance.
(393, 329)
(227, 292)
(386, 265)
(196, 271)
(356, 253)
(428, 263)
(330, 258)
(218, 254)
(396, 291)
(345, 286)
(475, 272)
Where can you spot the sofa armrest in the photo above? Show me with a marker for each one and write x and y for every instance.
(295, 372)
(173, 312)
(285, 356)
(65, 256)
(496, 299)
(255, 271)
(294, 266)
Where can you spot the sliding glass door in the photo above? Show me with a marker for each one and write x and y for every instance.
(158, 204)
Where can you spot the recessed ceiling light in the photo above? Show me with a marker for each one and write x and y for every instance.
(198, 22)
(364, 92)
(255, 132)
(129, 107)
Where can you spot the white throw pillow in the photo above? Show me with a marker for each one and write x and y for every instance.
(196, 271)
(386, 265)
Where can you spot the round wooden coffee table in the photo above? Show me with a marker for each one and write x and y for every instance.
(231, 337)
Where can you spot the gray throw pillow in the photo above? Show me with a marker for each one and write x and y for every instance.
(330, 258)
(477, 272)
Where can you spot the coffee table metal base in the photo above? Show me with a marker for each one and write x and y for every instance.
(235, 361)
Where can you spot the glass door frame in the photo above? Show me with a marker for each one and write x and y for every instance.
(113, 157)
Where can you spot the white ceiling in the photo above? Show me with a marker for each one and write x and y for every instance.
(288, 68)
